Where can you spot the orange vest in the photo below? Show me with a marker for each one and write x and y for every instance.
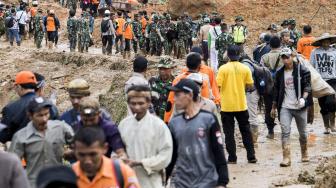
(143, 24)
(128, 31)
(51, 25)
(205, 92)
(120, 23)
(33, 12)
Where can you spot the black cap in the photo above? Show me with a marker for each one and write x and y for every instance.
(37, 103)
(233, 52)
(60, 175)
(197, 49)
(186, 85)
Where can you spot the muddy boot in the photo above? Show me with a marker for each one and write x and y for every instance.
(304, 152)
(286, 162)
(50, 45)
(124, 54)
(326, 122)
(255, 133)
(18, 43)
(128, 55)
(332, 121)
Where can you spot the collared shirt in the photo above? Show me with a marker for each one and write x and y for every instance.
(136, 79)
(41, 150)
(148, 141)
(232, 79)
(106, 176)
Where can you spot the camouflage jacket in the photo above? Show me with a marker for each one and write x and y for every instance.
(167, 27)
(38, 22)
(183, 29)
(223, 40)
(137, 28)
(152, 30)
(72, 26)
(160, 94)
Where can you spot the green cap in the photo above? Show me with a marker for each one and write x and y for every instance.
(292, 21)
(166, 62)
(239, 18)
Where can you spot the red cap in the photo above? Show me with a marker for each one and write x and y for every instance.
(25, 77)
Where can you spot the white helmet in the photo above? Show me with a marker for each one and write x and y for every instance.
(35, 3)
(107, 12)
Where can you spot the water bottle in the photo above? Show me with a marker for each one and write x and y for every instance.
(262, 83)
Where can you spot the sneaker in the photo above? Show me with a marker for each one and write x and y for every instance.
(232, 162)
(252, 160)
(327, 131)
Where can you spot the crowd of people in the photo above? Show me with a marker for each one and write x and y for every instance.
(171, 136)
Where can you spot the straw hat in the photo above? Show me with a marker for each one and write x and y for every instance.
(325, 36)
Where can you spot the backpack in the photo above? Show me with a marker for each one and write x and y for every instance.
(118, 173)
(105, 26)
(10, 22)
(262, 77)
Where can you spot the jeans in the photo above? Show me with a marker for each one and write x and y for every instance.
(268, 100)
(14, 33)
(252, 103)
(229, 129)
(300, 116)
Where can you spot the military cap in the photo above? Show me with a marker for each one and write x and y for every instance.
(292, 21)
(79, 87)
(166, 62)
(239, 18)
(273, 27)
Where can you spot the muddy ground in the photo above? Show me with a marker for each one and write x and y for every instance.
(107, 76)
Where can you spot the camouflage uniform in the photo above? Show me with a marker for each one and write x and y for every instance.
(295, 35)
(183, 29)
(138, 37)
(6, 15)
(159, 88)
(84, 33)
(72, 27)
(168, 26)
(221, 44)
(154, 38)
(2, 25)
(38, 30)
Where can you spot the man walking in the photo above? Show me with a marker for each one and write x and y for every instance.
(232, 80)
(198, 156)
(203, 37)
(214, 33)
(304, 45)
(147, 138)
(72, 26)
(292, 95)
(107, 33)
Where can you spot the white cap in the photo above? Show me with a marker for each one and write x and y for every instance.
(35, 2)
(107, 12)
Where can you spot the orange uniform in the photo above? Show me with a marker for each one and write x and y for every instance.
(120, 23)
(304, 46)
(212, 78)
(33, 11)
(143, 24)
(51, 24)
(205, 92)
(106, 177)
(128, 33)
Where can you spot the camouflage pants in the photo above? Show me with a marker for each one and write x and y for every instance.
(220, 56)
(155, 46)
(181, 48)
(168, 46)
(73, 42)
(83, 43)
(38, 37)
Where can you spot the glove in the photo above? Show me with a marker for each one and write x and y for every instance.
(302, 102)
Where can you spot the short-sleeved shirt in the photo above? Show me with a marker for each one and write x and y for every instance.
(305, 47)
(39, 150)
(106, 176)
(232, 79)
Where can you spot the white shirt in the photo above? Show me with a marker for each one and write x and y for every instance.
(148, 141)
(21, 16)
(290, 100)
(214, 32)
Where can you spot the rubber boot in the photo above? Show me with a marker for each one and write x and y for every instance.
(255, 133)
(326, 122)
(332, 121)
(304, 152)
(286, 162)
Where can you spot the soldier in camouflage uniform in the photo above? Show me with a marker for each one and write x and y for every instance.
(2, 22)
(159, 85)
(72, 27)
(72, 4)
(222, 42)
(168, 27)
(6, 15)
(153, 35)
(183, 29)
(295, 35)
(138, 39)
(38, 28)
(84, 33)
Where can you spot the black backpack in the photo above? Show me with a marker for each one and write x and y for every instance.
(262, 77)
(10, 22)
(105, 25)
